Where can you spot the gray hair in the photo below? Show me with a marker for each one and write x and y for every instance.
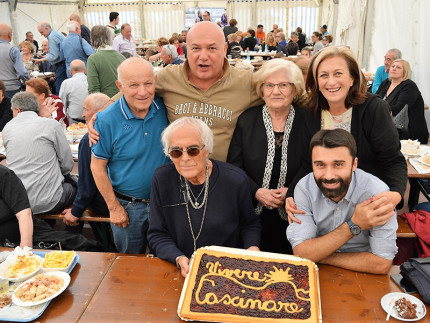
(171, 50)
(397, 53)
(100, 36)
(98, 101)
(206, 135)
(44, 25)
(25, 101)
(281, 34)
(72, 26)
(130, 60)
(124, 25)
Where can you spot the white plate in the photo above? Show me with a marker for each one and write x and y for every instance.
(421, 151)
(385, 303)
(66, 279)
(422, 162)
(65, 269)
(10, 260)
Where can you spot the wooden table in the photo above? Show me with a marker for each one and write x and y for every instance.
(148, 289)
(415, 186)
(85, 279)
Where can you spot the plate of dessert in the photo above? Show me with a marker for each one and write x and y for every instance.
(406, 307)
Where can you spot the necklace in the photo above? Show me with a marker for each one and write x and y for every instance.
(196, 205)
(204, 202)
(196, 198)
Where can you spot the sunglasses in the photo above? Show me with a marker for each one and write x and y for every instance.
(192, 151)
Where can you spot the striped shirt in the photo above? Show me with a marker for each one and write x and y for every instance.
(38, 152)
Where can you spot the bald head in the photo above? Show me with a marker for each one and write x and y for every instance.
(5, 32)
(94, 103)
(132, 64)
(44, 28)
(205, 27)
(75, 17)
(77, 66)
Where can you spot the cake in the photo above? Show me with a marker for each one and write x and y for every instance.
(233, 285)
(406, 309)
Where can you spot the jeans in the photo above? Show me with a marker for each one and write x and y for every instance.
(423, 206)
(60, 75)
(132, 239)
(11, 93)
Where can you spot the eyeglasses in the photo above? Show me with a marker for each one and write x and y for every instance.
(284, 86)
(192, 151)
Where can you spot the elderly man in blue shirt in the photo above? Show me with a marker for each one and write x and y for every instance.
(128, 152)
(75, 47)
(344, 225)
(11, 65)
(55, 55)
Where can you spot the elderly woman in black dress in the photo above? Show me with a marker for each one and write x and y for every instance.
(399, 90)
(267, 145)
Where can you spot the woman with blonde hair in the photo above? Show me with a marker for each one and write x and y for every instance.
(267, 145)
(270, 42)
(27, 53)
(401, 92)
(338, 98)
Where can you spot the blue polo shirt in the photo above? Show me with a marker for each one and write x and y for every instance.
(131, 145)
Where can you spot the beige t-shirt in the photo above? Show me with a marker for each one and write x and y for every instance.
(219, 106)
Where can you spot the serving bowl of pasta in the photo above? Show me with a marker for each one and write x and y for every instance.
(58, 261)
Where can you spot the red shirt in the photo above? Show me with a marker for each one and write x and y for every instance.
(60, 114)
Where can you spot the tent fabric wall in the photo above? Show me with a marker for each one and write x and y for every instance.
(269, 12)
(98, 14)
(241, 10)
(163, 19)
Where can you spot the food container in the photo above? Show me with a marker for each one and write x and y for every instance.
(11, 260)
(64, 269)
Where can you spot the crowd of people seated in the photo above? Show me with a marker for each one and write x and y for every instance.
(297, 154)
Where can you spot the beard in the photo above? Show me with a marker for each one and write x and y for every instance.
(334, 193)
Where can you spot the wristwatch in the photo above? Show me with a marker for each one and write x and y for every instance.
(355, 229)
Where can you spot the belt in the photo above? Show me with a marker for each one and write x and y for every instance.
(130, 198)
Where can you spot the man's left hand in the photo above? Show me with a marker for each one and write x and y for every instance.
(69, 218)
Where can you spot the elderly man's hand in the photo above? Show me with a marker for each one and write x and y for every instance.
(69, 219)
(184, 264)
(373, 212)
(119, 216)
(254, 248)
(93, 135)
(47, 108)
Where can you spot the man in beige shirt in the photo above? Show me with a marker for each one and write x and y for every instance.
(206, 87)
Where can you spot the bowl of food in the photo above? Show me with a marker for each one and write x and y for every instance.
(20, 267)
(78, 129)
(41, 288)
(58, 261)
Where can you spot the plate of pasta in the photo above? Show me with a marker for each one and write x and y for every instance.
(19, 267)
(58, 261)
(41, 288)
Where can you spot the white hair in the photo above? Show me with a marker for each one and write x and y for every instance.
(125, 63)
(72, 26)
(171, 50)
(206, 135)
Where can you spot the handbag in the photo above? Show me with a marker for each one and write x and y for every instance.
(417, 271)
(401, 119)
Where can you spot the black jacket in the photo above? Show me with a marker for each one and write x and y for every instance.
(248, 147)
(408, 93)
(378, 144)
(5, 112)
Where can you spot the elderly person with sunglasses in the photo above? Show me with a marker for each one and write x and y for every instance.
(197, 201)
(266, 144)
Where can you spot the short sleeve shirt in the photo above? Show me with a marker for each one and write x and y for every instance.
(131, 145)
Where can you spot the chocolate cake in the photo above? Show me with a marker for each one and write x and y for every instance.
(229, 287)
(405, 308)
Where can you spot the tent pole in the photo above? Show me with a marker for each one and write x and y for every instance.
(142, 19)
(368, 28)
(81, 5)
(12, 15)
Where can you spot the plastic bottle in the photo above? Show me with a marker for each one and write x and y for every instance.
(248, 57)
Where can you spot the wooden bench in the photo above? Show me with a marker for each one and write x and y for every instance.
(99, 224)
(404, 230)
